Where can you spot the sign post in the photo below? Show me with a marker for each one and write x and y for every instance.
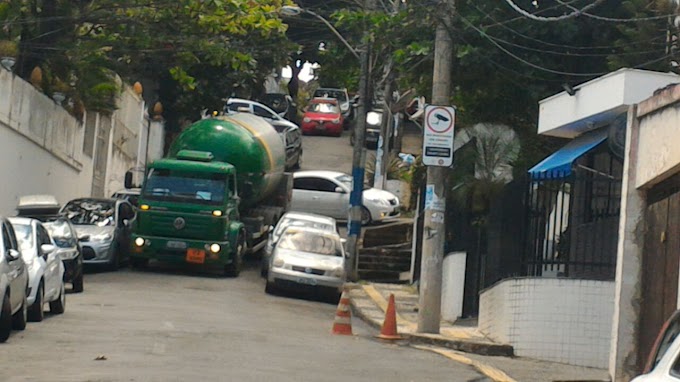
(438, 138)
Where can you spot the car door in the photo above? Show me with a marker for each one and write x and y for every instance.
(18, 276)
(306, 195)
(125, 215)
(335, 198)
(322, 195)
(52, 260)
(265, 113)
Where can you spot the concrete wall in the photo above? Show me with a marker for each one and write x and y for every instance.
(652, 155)
(40, 146)
(560, 320)
(43, 148)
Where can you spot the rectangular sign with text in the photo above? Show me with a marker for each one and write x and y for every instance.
(438, 137)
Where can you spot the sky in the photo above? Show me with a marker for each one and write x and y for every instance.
(305, 73)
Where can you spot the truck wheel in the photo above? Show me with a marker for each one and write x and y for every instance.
(139, 262)
(5, 319)
(233, 269)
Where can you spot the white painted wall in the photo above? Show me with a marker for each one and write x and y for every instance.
(559, 320)
(598, 100)
(658, 151)
(41, 145)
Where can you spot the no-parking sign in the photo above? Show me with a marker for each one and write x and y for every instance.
(438, 137)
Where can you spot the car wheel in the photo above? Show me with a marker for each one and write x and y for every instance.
(270, 288)
(35, 311)
(5, 319)
(78, 282)
(234, 269)
(139, 262)
(58, 306)
(19, 318)
(365, 216)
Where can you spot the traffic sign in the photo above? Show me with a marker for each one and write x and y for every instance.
(438, 137)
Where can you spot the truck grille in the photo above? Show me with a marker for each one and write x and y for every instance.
(195, 227)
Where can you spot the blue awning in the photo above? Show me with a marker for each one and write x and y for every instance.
(558, 165)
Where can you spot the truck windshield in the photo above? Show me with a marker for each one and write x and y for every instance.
(200, 188)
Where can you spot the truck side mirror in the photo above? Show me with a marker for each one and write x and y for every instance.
(128, 179)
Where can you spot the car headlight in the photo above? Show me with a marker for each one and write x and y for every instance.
(307, 120)
(337, 120)
(278, 262)
(338, 272)
(102, 237)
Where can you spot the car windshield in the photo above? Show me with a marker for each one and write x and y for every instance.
(61, 233)
(296, 222)
(24, 234)
(312, 242)
(90, 212)
(199, 188)
(347, 181)
(323, 107)
(331, 93)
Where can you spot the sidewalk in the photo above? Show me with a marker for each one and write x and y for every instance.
(468, 345)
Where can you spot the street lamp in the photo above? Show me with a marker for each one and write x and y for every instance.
(359, 154)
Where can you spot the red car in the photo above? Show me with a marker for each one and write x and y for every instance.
(322, 116)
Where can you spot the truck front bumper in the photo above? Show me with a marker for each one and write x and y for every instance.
(181, 251)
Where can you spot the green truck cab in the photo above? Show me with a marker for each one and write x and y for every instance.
(214, 197)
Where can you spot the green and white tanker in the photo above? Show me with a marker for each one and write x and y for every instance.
(215, 195)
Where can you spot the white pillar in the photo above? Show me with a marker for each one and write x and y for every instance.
(625, 325)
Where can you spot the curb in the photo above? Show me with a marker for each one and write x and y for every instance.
(493, 373)
(487, 349)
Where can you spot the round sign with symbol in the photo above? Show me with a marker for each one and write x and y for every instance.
(439, 119)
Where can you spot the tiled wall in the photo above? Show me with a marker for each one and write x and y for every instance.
(560, 320)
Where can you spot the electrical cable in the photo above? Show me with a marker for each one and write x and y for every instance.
(548, 70)
(572, 15)
(615, 20)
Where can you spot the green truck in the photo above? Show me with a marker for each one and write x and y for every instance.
(215, 196)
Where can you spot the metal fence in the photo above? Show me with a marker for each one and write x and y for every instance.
(572, 225)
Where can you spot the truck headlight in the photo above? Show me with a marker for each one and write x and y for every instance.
(139, 241)
(215, 248)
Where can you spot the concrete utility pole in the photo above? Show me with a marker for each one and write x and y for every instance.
(359, 160)
(434, 232)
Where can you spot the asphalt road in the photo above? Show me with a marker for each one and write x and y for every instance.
(171, 324)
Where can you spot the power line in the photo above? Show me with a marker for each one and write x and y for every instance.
(616, 20)
(594, 47)
(572, 15)
(548, 70)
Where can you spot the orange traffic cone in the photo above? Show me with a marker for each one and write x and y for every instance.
(389, 328)
(343, 316)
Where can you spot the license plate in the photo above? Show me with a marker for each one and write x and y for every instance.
(307, 281)
(176, 244)
(320, 127)
(196, 256)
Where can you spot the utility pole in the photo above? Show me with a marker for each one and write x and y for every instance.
(434, 232)
(358, 160)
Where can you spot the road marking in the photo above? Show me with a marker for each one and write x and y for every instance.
(488, 370)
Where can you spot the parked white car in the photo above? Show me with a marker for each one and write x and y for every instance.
(13, 283)
(307, 258)
(663, 363)
(295, 219)
(238, 105)
(45, 268)
(327, 193)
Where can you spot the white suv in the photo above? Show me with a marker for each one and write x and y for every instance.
(238, 105)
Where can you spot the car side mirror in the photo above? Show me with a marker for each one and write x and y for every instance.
(83, 238)
(13, 255)
(126, 222)
(339, 190)
(46, 249)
